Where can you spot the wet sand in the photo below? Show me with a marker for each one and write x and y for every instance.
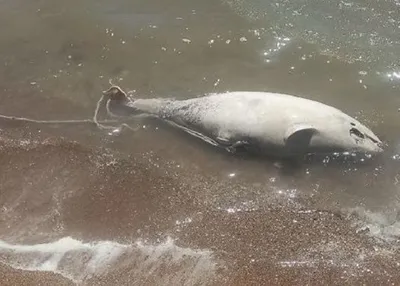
(274, 240)
(11, 277)
(157, 207)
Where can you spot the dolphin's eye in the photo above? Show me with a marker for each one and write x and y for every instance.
(357, 133)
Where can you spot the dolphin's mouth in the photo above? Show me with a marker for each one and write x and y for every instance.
(372, 145)
(379, 144)
(376, 141)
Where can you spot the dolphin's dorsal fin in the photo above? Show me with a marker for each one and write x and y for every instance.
(299, 135)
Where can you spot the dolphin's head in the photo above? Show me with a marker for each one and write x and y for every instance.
(346, 134)
(333, 134)
(364, 139)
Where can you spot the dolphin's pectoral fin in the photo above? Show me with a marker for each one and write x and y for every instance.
(223, 141)
(194, 133)
(298, 137)
(233, 148)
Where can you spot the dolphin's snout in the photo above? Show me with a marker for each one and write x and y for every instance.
(366, 140)
(380, 145)
(375, 145)
(379, 148)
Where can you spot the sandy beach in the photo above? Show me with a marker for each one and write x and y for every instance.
(85, 206)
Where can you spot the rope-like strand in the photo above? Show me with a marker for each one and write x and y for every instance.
(108, 127)
(107, 104)
(14, 118)
(99, 123)
(69, 121)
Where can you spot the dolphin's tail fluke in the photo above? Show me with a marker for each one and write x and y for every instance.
(115, 93)
(118, 104)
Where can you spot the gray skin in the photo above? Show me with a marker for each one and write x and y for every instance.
(273, 124)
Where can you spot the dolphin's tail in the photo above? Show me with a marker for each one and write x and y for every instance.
(118, 103)
(116, 93)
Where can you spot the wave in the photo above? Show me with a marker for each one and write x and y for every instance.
(79, 261)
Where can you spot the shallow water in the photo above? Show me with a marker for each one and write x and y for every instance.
(79, 202)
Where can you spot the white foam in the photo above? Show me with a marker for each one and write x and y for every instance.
(80, 261)
(381, 225)
(69, 257)
(199, 264)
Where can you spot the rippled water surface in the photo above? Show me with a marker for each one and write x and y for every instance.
(157, 207)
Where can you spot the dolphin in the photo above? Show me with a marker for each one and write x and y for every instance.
(275, 124)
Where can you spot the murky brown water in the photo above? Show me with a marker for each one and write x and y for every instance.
(156, 207)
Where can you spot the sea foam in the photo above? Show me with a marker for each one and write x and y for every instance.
(79, 261)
